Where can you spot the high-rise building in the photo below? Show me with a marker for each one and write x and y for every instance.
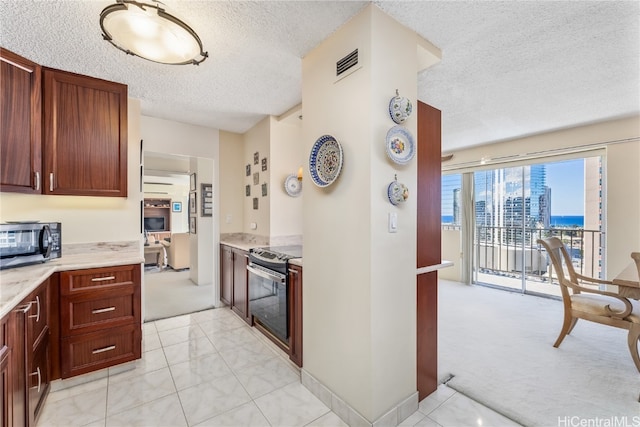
(513, 197)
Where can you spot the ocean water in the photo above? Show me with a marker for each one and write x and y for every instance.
(556, 220)
(567, 221)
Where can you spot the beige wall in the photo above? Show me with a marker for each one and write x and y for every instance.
(623, 205)
(256, 140)
(88, 219)
(232, 181)
(451, 251)
(286, 157)
(359, 299)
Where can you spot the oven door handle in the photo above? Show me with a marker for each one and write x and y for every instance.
(265, 275)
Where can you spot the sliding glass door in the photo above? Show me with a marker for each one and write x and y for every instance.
(516, 206)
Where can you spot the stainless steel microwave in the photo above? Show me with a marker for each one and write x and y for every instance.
(23, 243)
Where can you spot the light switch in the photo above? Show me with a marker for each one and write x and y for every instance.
(393, 222)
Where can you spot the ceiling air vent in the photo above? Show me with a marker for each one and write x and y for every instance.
(347, 63)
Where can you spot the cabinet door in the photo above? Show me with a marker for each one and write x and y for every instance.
(85, 135)
(38, 379)
(6, 372)
(240, 283)
(226, 274)
(295, 314)
(38, 315)
(20, 124)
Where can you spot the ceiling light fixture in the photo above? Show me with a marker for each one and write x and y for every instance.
(147, 31)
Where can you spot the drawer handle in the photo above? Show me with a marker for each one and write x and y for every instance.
(102, 279)
(102, 310)
(39, 378)
(25, 309)
(103, 349)
(37, 315)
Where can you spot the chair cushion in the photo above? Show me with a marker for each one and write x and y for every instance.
(595, 304)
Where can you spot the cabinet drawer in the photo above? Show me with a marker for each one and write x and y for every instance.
(85, 314)
(97, 350)
(72, 282)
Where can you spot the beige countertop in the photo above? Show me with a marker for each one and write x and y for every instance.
(16, 283)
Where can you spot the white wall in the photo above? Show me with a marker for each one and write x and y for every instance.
(88, 219)
(286, 157)
(232, 181)
(359, 302)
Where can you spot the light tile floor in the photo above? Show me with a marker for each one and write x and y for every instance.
(210, 369)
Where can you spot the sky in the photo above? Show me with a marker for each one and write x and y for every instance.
(565, 178)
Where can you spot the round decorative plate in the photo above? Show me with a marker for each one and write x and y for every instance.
(400, 108)
(397, 193)
(400, 145)
(325, 161)
(292, 186)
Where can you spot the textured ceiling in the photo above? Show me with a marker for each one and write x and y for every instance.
(509, 69)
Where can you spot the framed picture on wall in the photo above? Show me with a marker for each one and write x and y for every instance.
(192, 225)
(247, 170)
(192, 182)
(176, 207)
(193, 208)
(256, 178)
(256, 158)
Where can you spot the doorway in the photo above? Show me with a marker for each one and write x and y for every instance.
(174, 283)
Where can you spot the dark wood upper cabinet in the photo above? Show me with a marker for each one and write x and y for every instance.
(84, 135)
(20, 124)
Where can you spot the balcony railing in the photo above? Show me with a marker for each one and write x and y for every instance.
(509, 252)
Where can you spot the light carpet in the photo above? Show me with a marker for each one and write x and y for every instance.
(171, 293)
(499, 348)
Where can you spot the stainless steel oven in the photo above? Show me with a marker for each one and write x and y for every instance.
(23, 243)
(268, 289)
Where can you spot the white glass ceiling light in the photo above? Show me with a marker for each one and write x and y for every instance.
(147, 31)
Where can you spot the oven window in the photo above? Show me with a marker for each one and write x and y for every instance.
(268, 305)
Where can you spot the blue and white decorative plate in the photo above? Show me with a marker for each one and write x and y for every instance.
(325, 161)
(400, 145)
(400, 108)
(292, 185)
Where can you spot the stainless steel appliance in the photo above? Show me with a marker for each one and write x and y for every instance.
(268, 288)
(23, 243)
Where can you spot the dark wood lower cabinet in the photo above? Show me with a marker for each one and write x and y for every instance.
(226, 274)
(101, 314)
(295, 314)
(240, 302)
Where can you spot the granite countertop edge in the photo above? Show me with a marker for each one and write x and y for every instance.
(16, 283)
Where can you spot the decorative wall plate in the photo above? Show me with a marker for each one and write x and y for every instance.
(292, 185)
(400, 108)
(397, 193)
(400, 145)
(325, 161)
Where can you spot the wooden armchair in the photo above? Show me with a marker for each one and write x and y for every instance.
(584, 302)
